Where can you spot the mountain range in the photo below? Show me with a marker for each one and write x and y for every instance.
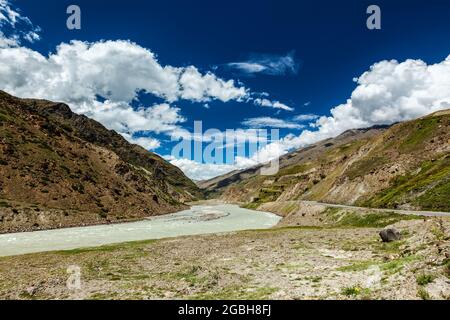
(60, 169)
(405, 166)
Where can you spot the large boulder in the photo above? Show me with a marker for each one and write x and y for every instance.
(389, 235)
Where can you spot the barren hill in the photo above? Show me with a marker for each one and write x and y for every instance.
(61, 169)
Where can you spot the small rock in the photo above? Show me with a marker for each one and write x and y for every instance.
(31, 291)
(389, 235)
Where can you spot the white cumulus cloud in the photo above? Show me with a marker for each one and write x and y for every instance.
(269, 122)
(78, 73)
(10, 18)
(198, 87)
(116, 70)
(389, 92)
(102, 79)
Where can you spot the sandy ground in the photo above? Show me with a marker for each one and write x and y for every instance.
(290, 261)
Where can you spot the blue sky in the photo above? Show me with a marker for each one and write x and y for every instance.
(305, 55)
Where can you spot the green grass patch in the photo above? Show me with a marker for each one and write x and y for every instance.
(397, 265)
(424, 279)
(316, 279)
(107, 248)
(4, 118)
(365, 166)
(291, 170)
(390, 267)
(437, 198)
(432, 183)
(351, 291)
(358, 266)
(423, 294)
(343, 218)
(418, 133)
(288, 208)
(251, 205)
(283, 229)
(350, 147)
(390, 247)
(191, 274)
(265, 195)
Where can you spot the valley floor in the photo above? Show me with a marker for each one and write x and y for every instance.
(314, 253)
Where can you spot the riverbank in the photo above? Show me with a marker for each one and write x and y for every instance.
(344, 259)
(199, 219)
(24, 217)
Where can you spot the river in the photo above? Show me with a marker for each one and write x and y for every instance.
(199, 219)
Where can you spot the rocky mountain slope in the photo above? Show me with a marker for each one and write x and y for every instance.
(406, 165)
(61, 169)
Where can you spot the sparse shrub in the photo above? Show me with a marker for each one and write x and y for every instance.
(438, 233)
(424, 279)
(67, 170)
(351, 291)
(66, 127)
(423, 294)
(78, 187)
(364, 166)
(44, 145)
(3, 118)
(4, 204)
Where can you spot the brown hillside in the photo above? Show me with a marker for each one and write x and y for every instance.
(60, 169)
